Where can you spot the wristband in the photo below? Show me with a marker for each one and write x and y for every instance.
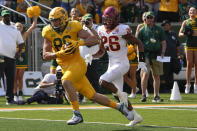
(141, 57)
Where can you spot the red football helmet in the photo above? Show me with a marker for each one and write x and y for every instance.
(110, 17)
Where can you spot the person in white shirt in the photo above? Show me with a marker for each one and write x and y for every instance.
(88, 25)
(45, 92)
(9, 38)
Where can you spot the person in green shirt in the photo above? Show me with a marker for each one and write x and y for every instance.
(154, 41)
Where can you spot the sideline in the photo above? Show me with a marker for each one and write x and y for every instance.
(85, 122)
(156, 106)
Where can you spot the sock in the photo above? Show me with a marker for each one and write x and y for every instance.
(112, 104)
(77, 112)
(75, 105)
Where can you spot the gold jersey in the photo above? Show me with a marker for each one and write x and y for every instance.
(73, 65)
(59, 39)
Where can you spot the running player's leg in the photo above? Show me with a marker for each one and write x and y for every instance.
(112, 80)
(89, 92)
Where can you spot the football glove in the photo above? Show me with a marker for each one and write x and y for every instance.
(69, 48)
(74, 43)
(66, 52)
(88, 59)
(142, 66)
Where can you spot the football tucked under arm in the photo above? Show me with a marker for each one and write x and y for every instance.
(69, 48)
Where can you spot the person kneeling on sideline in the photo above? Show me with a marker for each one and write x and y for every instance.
(45, 92)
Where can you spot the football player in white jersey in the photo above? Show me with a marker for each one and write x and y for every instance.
(114, 38)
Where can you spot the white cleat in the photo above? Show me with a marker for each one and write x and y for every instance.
(123, 97)
(76, 119)
(187, 89)
(137, 119)
(124, 110)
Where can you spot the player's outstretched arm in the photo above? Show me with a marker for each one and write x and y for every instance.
(132, 39)
(89, 39)
(100, 52)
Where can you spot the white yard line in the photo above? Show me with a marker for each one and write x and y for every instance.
(190, 109)
(103, 123)
(167, 107)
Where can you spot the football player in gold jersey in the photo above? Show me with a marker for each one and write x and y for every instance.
(61, 37)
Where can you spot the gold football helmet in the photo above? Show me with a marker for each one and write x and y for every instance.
(58, 13)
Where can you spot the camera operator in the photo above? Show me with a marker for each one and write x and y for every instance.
(85, 51)
(49, 91)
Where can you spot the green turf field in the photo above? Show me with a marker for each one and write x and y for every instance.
(165, 116)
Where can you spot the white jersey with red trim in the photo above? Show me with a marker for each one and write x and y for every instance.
(116, 48)
(114, 44)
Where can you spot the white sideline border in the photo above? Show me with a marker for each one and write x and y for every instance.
(164, 107)
(103, 123)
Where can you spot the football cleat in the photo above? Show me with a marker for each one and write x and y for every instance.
(128, 114)
(137, 119)
(76, 119)
(123, 97)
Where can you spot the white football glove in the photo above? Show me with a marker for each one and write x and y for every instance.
(88, 59)
(142, 66)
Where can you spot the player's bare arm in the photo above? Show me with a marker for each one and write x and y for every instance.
(89, 39)
(47, 48)
(100, 52)
(132, 39)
